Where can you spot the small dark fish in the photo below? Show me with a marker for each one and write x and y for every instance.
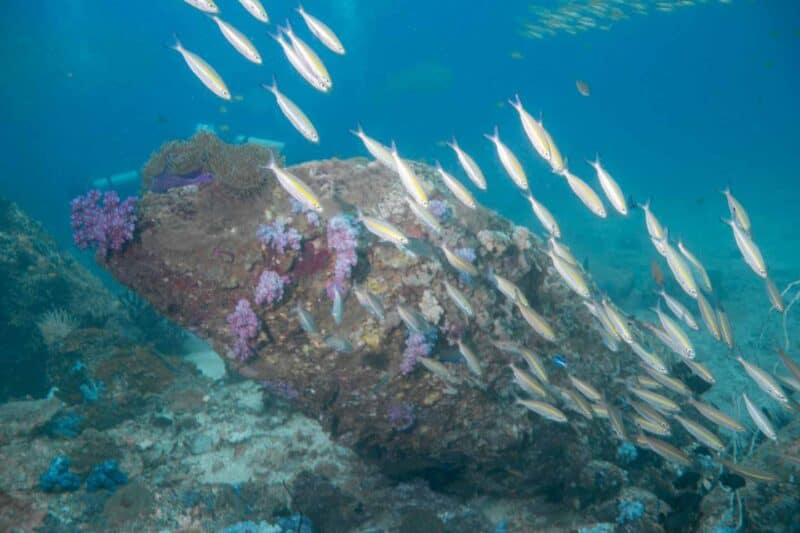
(632, 202)
(560, 361)
(583, 87)
(657, 273)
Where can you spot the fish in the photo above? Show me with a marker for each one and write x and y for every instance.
(506, 286)
(544, 409)
(562, 251)
(669, 382)
(678, 309)
(203, 71)
(716, 416)
(557, 163)
(748, 248)
(764, 381)
(457, 188)
(337, 307)
(509, 161)
(698, 266)
(570, 274)
(583, 88)
(322, 32)
(338, 344)
(665, 338)
(533, 129)
(657, 273)
(469, 165)
(473, 363)
(648, 413)
(458, 263)
(423, 215)
(790, 365)
(738, 212)
(654, 227)
(439, 370)
(534, 364)
(709, 316)
(560, 361)
(585, 388)
(384, 230)
(370, 302)
(528, 383)
(703, 435)
(306, 320)
(242, 44)
(296, 188)
(647, 382)
(576, 402)
(649, 358)
(507, 346)
(409, 178)
(651, 427)
(294, 114)
(310, 58)
(761, 421)
(680, 270)
(300, 66)
(459, 298)
(610, 187)
(700, 370)
(537, 322)
(664, 449)
(255, 8)
(675, 332)
(615, 418)
(619, 322)
(600, 410)
(585, 193)
(790, 382)
(599, 313)
(206, 6)
(656, 400)
(775, 297)
(725, 329)
(748, 472)
(413, 320)
(377, 150)
(544, 216)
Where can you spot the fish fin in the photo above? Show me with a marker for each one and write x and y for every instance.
(288, 28)
(300, 9)
(394, 148)
(492, 137)
(176, 44)
(272, 88)
(359, 131)
(516, 103)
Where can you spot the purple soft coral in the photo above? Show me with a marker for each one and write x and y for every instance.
(243, 326)
(417, 345)
(343, 239)
(270, 287)
(106, 227)
(278, 237)
(401, 416)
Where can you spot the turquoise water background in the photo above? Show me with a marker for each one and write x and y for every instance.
(682, 104)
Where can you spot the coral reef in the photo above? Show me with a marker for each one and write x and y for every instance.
(107, 226)
(270, 287)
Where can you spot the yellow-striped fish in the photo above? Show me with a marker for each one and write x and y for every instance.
(709, 316)
(310, 58)
(664, 337)
(533, 129)
(528, 383)
(204, 72)
(571, 275)
(473, 363)
(737, 210)
(656, 400)
(648, 413)
(576, 402)
(457, 188)
(409, 178)
(585, 388)
(537, 322)
(725, 328)
(775, 297)
(680, 270)
(439, 370)
(619, 322)
(758, 418)
(322, 32)
(674, 330)
(380, 152)
(510, 162)
(700, 370)
(255, 8)
(242, 44)
(649, 358)
(664, 449)
(600, 410)
(585, 193)
(647, 382)
(294, 114)
(299, 65)
(424, 216)
(544, 410)
(544, 216)
(678, 309)
(469, 165)
(459, 264)
(654, 227)
(651, 427)
(610, 187)
(716, 416)
(296, 188)
(615, 418)
(698, 266)
(764, 381)
(748, 248)
(790, 365)
(459, 298)
(506, 286)
(534, 364)
(671, 383)
(206, 6)
(703, 435)
(562, 251)
(384, 230)
(557, 164)
(748, 471)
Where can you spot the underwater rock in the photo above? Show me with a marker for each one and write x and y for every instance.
(196, 255)
(25, 417)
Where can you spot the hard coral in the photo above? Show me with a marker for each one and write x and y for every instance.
(270, 287)
(243, 326)
(107, 226)
(278, 237)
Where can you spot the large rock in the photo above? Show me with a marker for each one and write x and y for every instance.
(196, 254)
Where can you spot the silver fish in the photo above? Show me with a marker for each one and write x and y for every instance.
(473, 363)
(338, 344)
(369, 301)
(761, 421)
(338, 306)
(306, 320)
(459, 298)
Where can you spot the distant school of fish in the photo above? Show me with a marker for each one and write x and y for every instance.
(649, 400)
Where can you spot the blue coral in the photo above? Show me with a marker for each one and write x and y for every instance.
(626, 453)
(630, 511)
(58, 478)
(106, 475)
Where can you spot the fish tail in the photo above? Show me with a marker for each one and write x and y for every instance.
(359, 131)
(493, 137)
(176, 43)
(516, 103)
